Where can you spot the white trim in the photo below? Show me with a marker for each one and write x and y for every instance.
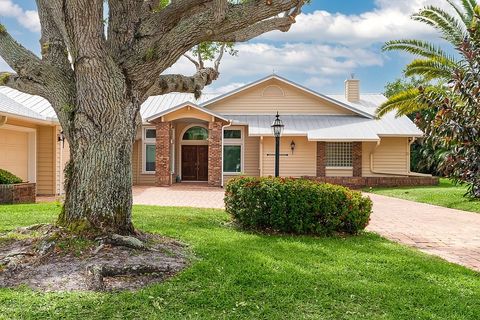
(235, 142)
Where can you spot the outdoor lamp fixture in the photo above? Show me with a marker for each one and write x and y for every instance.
(61, 137)
(277, 129)
(292, 146)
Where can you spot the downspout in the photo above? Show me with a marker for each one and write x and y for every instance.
(261, 157)
(221, 159)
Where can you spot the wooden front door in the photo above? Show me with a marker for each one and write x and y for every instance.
(194, 163)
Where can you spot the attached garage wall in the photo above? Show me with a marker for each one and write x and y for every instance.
(301, 163)
(14, 152)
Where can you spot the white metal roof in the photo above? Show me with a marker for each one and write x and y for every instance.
(11, 107)
(334, 128)
(363, 127)
(182, 105)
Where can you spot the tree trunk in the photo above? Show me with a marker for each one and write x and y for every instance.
(98, 183)
(101, 132)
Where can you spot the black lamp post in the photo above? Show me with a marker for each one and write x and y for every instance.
(277, 128)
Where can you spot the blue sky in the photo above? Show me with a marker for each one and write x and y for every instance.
(330, 41)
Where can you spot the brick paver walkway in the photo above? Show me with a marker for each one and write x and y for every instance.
(451, 234)
(180, 195)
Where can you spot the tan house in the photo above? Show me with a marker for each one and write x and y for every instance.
(333, 138)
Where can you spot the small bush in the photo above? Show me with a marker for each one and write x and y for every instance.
(296, 206)
(8, 178)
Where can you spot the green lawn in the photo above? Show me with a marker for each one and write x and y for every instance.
(241, 275)
(446, 194)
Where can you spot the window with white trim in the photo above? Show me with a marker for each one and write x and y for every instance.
(149, 150)
(232, 150)
(339, 154)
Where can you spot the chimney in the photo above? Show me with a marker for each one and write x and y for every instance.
(352, 89)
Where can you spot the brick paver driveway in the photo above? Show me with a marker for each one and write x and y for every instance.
(180, 195)
(450, 234)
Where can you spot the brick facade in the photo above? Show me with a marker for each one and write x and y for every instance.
(321, 158)
(362, 182)
(215, 154)
(163, 175)
(17, 193)
(357, 159)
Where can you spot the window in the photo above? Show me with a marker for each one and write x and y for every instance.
(150, 157)
(232, 159)
(149, 135)
(232, 150)
(232, 134)
(196, 133)
(339, 154)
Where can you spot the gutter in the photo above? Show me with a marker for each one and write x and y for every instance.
(221, 159)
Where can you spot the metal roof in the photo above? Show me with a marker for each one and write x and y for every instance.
(186, 104)
(334, 128)
(11, 107)
(40, 107)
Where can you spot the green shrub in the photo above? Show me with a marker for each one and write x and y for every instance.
(8, 178)
(296, 206)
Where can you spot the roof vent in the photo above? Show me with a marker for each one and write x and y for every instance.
(352, 89)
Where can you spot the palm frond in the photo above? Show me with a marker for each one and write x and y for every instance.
(419, 48)
(469, 7)
(430, 69)
(451, 28)
(462, 13)
(404, 103)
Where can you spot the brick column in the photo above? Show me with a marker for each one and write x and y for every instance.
(215, 154)
(321, 158)
(162, 154)
(357, 159)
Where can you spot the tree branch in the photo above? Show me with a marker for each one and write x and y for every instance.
(179, 83)
(14, 81)
(282, 24)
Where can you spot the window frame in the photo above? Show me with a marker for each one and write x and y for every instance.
(345, 167)
(234, 142)
(147, 141)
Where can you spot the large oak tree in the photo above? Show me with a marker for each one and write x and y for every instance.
(97, 73)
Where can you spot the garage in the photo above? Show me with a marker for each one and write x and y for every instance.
(14, 146)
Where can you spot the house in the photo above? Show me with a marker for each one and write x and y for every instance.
(334, 138)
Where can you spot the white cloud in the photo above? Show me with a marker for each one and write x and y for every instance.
(27, 18)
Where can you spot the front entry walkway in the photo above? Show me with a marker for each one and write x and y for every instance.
(448, 233)
(185, 194)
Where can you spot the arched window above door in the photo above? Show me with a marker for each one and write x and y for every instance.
(196, 133)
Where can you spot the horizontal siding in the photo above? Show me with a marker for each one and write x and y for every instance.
(301, 163)
(14, 152)
(251, 154)
(391, 156)
(339, 172)
(62, 157)
(261, 99)
(46, 156)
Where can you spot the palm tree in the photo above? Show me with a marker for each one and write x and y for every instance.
(433, 63)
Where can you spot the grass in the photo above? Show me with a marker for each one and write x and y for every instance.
(446, 194)
(240, 275)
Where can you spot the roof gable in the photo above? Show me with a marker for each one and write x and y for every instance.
(270, 93)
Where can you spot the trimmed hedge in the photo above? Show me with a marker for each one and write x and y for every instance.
(296, 206)
(8, 177)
